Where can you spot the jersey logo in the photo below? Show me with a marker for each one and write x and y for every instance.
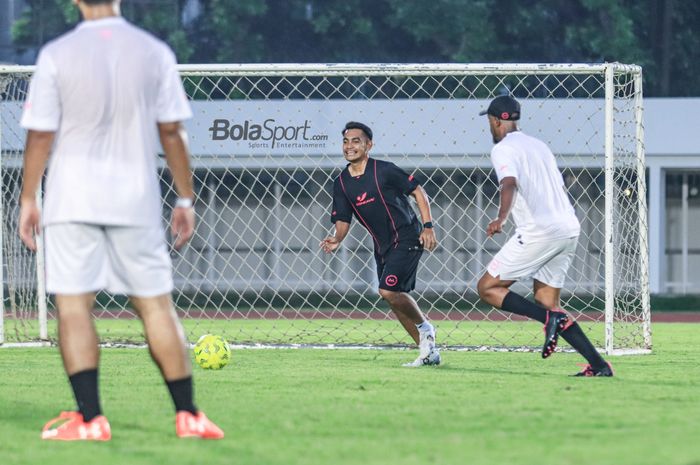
(363, 200)
(410, 178)
(391, 280)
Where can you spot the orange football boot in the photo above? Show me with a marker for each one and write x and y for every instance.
(76, 429)
(188, 425)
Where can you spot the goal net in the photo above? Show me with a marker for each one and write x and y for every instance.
(266, 147)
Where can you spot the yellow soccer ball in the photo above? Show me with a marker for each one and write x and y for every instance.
(212, 352)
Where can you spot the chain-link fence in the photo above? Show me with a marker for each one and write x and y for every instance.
(266, 145)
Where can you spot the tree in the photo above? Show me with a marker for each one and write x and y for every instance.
(269, 31)
(456, 30)
(44, 20)
(670, 33)
(659, 35)
(228, 32)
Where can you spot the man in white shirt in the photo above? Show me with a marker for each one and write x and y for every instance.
(544, 243)
(99, 100)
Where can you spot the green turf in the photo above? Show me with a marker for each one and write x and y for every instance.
(311, 406)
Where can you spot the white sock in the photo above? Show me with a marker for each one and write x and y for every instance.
(426, 327)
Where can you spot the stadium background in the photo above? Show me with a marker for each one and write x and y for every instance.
(656, 34)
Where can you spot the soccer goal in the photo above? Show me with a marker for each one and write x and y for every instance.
(266, 146)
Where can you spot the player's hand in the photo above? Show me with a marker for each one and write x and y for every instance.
(329, 244)
(29, 223)
(427, 239)
(495, 227)
(182, 225)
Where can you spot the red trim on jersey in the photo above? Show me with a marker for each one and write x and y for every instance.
(342, 185)
(393, 225)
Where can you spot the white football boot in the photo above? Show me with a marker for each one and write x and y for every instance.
(429, 354)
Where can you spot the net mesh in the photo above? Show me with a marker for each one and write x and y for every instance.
(254, 272)
(18, 264)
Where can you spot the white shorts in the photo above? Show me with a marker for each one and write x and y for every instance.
(546, 262)
(82, 258)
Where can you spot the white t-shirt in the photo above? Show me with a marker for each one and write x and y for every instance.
(542, 210)
(103, 87)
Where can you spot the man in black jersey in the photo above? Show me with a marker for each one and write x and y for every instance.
(376, 193)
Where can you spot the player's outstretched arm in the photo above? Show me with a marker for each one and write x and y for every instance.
(331, 243)
(509, 189)
(36, 153)
(427, 236)
(173, 138)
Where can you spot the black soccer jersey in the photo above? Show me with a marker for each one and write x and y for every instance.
(378, 199)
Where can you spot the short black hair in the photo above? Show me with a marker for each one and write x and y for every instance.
(96, 2)
(355, 125)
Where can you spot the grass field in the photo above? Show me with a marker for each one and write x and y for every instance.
(311, 406)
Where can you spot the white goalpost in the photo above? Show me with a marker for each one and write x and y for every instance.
(266, 146)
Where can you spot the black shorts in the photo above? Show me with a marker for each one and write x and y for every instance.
(397, 268)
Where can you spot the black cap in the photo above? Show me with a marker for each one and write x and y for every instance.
(503, 107)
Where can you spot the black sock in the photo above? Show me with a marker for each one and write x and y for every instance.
(181, 392)
(84, 385)
(574, 335)
(515, 303)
